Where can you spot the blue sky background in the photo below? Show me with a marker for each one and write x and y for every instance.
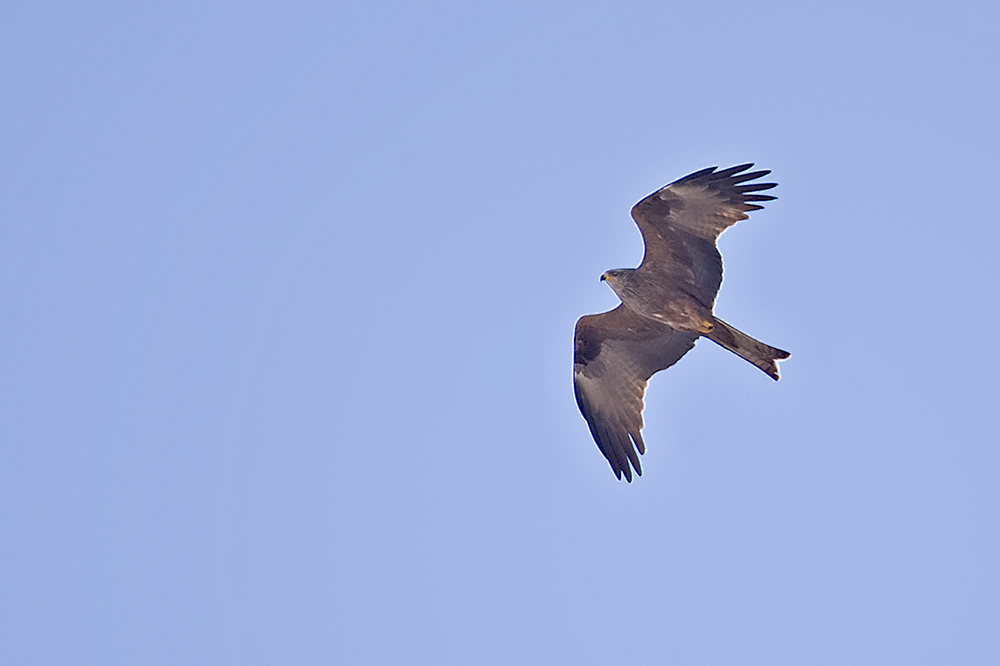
(287, 293)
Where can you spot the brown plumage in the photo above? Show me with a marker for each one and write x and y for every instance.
(666, 306)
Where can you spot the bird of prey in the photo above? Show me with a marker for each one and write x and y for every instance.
(666, 306)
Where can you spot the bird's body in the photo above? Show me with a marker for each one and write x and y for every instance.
(648, 295)
(667, 303)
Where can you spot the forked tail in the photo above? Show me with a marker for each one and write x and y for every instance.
(763, 356)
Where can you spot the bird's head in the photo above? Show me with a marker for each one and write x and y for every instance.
(616, 277)
(612, 276)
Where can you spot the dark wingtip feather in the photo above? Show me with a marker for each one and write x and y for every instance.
(692, 176)
(726, 173)
(755, 187)
(639, 444)
(742, 178)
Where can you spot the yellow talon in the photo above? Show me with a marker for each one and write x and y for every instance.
(707, 326)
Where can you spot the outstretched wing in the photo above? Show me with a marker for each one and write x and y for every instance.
(615, 355)
(681, 222)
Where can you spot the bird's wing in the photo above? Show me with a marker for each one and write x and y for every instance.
(615, 355)
(681, 222)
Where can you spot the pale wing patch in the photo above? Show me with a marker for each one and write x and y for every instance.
(699, 210)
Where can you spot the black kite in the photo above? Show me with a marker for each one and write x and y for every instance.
(666, 306)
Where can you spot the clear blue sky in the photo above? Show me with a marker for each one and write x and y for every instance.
(287, 293)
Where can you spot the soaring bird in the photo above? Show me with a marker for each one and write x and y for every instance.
(667, 304)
